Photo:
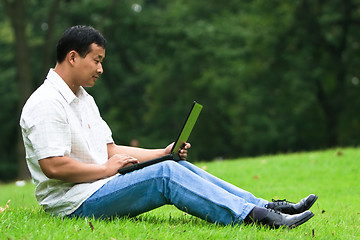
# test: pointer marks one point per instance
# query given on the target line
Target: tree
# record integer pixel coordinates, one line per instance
(273, 76)
(327, 38)
(16, 11)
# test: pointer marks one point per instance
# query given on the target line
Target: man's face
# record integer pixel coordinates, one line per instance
(88, 69)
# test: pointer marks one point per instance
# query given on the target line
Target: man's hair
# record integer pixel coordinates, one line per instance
(78, 38)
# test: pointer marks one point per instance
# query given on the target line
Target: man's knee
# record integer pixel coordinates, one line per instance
(169, 167)
(169, 164)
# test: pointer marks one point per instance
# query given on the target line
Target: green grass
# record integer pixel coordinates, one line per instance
(334, 175)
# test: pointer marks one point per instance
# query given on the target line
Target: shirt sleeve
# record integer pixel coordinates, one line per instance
(46, 131)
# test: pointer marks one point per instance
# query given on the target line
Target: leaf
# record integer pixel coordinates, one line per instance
(91, 226)
(2, 209)
(204, 167)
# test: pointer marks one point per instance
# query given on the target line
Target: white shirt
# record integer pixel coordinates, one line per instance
(56, 122)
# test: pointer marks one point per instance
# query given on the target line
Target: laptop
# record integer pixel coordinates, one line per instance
(180, 141)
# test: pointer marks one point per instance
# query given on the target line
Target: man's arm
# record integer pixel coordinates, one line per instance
(142, 154)
(69, 170)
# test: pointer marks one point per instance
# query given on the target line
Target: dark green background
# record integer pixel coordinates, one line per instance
(273, 76)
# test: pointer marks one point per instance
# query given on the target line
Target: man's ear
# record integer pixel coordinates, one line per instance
(72, 56)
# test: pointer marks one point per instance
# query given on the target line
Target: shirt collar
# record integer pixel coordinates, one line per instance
(56, 81)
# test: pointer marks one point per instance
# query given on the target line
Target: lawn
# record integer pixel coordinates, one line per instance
(333, 175)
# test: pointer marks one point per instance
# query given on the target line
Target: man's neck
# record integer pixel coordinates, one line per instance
(65, 75)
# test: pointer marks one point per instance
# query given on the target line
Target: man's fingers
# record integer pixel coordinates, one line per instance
(124, 159)
(133, 160)
(185, 146)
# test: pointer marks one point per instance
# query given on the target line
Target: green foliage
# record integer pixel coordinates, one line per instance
(8, 104)
(332, 175)
(273, 76)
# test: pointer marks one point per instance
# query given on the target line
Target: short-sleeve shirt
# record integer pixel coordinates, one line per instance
(57, 122)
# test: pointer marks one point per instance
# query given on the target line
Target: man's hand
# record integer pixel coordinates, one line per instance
(119, 161)
(182, 152)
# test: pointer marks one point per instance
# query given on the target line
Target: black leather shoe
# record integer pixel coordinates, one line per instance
(286, 207)
(275, 219)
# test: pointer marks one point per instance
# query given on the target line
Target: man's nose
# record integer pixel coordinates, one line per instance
(100, 69)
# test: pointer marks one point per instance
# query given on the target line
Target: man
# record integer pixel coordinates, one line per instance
(74, 160)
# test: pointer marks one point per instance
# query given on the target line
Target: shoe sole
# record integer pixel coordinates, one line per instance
(305, 219)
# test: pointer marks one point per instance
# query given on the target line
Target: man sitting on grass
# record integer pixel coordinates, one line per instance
(73, 159)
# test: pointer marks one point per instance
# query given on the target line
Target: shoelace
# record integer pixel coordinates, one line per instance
(274, 211)
(282, 202)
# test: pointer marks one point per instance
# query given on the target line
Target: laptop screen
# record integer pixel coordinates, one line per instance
(187, 127)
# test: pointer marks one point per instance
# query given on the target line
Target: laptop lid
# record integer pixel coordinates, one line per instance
(187, 127)
(181, 139)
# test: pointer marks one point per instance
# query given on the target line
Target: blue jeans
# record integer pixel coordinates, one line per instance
(181, 184)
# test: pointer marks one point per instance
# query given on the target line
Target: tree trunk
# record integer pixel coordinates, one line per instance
(16, 12)
(48, 43)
